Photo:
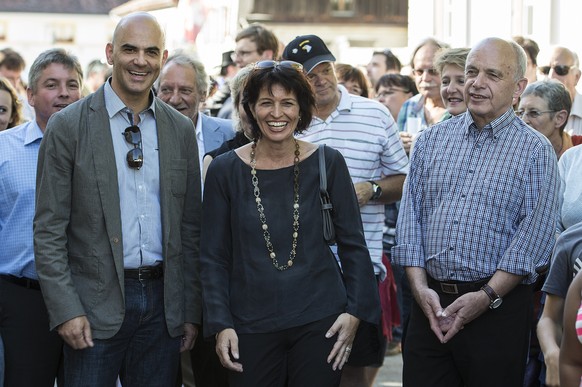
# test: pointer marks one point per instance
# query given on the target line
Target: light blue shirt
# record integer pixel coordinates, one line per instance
(18, 157)
(139, 190)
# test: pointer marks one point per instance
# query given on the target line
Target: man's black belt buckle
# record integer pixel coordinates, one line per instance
(145, 273)
(449, 288)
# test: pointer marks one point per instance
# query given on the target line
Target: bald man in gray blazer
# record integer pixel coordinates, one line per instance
(117, 222)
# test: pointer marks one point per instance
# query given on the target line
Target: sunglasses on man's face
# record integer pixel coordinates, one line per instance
(134, 156)
(273, 64)
(561, 70)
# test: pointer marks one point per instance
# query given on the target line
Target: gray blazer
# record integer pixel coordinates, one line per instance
(77, 226)
(215, 131)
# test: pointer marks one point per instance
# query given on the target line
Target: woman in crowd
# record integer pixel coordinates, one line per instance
(353, 79)
(571, 348)
(392, 90)
(239, 120)
(10, 107)
(282, 311)
(545, 106)
(450, 63)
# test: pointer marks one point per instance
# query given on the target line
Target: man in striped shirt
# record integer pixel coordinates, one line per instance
(477, 218)
(367, 136)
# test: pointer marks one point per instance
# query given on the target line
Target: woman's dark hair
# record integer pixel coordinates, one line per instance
(292, 80)
(397, 80)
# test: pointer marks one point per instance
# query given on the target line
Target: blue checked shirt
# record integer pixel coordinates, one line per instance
(18, 156)
(477, 201)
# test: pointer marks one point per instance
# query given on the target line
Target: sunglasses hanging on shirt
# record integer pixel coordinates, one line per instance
(132, 135)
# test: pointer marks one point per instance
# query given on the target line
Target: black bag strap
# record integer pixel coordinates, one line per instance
(326, 206)
(322, 170)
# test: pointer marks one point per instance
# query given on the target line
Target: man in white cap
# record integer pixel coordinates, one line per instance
(365, 133)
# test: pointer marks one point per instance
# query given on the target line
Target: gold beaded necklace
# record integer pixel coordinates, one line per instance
(261, 209)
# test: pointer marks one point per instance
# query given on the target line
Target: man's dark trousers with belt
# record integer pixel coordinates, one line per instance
(506, 324)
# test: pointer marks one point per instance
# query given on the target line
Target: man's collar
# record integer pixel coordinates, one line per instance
(114, 104)
(345, 102)
(33, 133)
(494, 126)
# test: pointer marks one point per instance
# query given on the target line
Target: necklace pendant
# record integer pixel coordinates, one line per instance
(289, 263)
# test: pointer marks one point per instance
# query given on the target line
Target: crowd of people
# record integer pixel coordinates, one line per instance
(162, 229)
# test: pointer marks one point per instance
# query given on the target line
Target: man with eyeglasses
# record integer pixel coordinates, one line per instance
(564, 67)
(427, 107)
(477, 222)
(365, 133)
(117, 223)
(33, 353)
(381, 63)
(253, 44)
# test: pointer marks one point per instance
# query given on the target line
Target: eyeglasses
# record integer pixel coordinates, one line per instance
(431, 71)
(533, 114)
(389, 92)
(240, 53)
(561, 70)
(134, 156)
(273, 64)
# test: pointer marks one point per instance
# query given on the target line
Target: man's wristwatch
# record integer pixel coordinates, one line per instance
(376, 190)
(496, 300)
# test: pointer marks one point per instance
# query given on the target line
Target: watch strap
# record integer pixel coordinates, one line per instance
(492, 294)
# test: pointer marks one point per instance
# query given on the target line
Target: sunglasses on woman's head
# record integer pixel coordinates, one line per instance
(273, 64)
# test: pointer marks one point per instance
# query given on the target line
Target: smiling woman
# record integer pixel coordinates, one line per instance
(10, 106)
(260, 215)
(450, 63)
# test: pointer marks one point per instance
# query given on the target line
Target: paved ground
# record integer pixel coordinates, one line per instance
(391, 372)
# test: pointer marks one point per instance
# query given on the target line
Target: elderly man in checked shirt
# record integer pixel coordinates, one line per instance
(477, 219)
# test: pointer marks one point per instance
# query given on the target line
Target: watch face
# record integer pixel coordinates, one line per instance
(377, 191)
(496, 303)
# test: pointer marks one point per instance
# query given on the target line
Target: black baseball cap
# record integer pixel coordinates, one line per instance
(309, 50)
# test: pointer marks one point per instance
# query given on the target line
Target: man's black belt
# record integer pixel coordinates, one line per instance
(21, 281)
(145, 273)
(455, 287)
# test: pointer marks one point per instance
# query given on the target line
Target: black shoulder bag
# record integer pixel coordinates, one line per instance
(326, 206)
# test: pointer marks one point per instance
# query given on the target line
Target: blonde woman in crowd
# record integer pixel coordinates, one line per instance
(10, 106)
(450, 63)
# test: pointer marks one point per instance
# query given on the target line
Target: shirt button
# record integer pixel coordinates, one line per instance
(463, 195)
(455, 222)
(451, 248)
(115, 240)
(470, 171)
(478, 146)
